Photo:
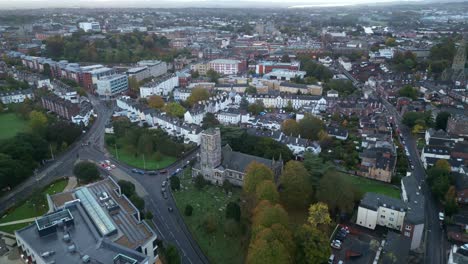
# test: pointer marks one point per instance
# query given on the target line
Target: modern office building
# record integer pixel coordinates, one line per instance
(156, 67)
(112, 85)
(92, 224)
(90, 26)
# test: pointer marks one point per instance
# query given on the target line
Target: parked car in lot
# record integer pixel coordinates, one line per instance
(336, 244)
(163, 189)
(138, 171)
(441, 216)
(152, 173)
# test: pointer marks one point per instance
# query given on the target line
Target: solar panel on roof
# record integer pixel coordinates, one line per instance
(100, 219)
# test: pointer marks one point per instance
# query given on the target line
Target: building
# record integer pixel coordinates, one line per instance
(17, 96)
(225, 66)
(337, 132)
(90, 26)
(284, 75)
(91, 74)
(139, 73)
(78, 113)
(268, 66)
(217, 164)
(156, 67)
(162, 87)
(111, 85)
(92, 224)
(378, 164)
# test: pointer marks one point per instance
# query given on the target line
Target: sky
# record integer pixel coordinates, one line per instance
(25, 4)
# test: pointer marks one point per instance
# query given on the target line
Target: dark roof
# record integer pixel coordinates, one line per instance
(396, 249)
(374, 200)
(337, 131)
(415, 203)
(461, 181)
(238, 161)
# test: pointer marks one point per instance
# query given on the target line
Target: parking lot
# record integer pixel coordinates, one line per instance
(358, 246)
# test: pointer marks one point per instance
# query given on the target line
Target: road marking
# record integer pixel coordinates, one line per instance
(172, 234)
(177, 242)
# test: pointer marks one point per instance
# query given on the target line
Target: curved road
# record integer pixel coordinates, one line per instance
(169, 225)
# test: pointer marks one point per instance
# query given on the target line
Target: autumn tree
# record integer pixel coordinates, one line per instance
(312, 245)
(266, 190)
(133, 84)
(37, 122)
(266, 214)
(156, 102)
(290, 127)
(254, 174)
(318, 215)
(297, 188)
(338, 195)
(443, 164)
(262, 251)
(450, 199)
(197, 95)
(257, 107)
(174, 109)
(310, 126)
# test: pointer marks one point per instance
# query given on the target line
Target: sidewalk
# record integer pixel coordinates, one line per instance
(71, 184)
(19, 221)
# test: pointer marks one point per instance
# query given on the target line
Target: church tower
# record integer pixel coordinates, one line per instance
(210, 151)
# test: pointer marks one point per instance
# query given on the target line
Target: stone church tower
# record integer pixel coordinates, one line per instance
(210, 151)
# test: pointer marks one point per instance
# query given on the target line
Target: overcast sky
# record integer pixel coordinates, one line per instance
(8, 4)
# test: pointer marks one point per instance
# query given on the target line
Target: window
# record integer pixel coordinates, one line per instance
(382, 216)
(391, 219)
(408, 234)
(408, 227)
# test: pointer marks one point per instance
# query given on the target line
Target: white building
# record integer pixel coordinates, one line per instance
(181, 94)
(112, 85)
(232, 117)
(17, 96)
(139, 73)
(90, 26)
(161, 87)
(431, 154)
(284, 75)
(345, 63)
(281, 101)
(225, 66)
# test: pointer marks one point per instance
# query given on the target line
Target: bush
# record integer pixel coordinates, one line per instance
(138, 202)
(175, 183)
(233, 211)
(86, 171)
(188, 210)
(232, 228)
(210, 224)
(200, 182)
(126, 187)
(149, 215)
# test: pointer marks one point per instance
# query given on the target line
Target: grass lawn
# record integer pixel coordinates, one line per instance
(137, 162)
(218, 247)
(11, 228)
(10, 125)
(31, 208)
(367, 185)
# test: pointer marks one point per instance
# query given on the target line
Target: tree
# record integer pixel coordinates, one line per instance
(254, 174)
(200, 182)
(149, 215)
(209, 120)
(209, 223)
(315, 166)
(441, 120)
(267, 214)
(336, 193)
(312, 245)
(451, 205)
(137, 201)
(231, 228)
(408, 91)
(145, 144)
(171, 255)
(195, 75)
(175, 183)
(297, 188)
(126, 187)
(233, 211)
(174, 109)
(266, 190)
(227, 186)
(37, 122)
(262, 251)
(156, 102)
(133, 84)
(290, 127)
(188, 210)
(318, 215)
(244, 104)
(213, 75)
(444, 165)
(438, 179)
(257, 107)
(285, 58)
(343, 87)
(197, 95)
(86, 171)
(251, 90)
(390, 42)
(310, 126)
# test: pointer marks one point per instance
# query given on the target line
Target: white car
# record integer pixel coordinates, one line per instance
(464, 247)
(441, 216)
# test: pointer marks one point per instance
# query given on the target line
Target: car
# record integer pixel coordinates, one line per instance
(340, 236)
(164, 184)
(331, 259)
(152, 173)
(163, 171)
(163, 189)
(170, 209)
(441, 216)
(335, 245)
(164, 195)
(134, 170)
(178, 170)
(112, 166)
(108, 168)
(345, 229)
(464, 246)
(340, 262)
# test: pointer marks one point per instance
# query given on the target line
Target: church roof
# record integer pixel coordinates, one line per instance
(238, 161)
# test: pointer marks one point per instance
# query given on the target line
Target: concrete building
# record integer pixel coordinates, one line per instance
(156, 67)
(217, 164)
(139, 73)
(284, 75)
(90, 26)
(225, 66)
(111, 85)
(162, 87)
(92, 224)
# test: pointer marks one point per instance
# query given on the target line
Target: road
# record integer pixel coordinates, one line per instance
(436, 247)
(169, 225)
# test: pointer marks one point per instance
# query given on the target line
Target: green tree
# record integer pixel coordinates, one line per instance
(172, 255)
(156, 102)
(126, 187)
(262, 251)
(188, 210)
(310, 126)
(197, 95)
(233, 211)
(438, 179)
(137, 201)
(251, 90)
(441, 120)
(86, 171)
(285, 58)
(257, 107)
(175, 183)
(408, 91)
(232, 228)
(316, 167)
(145, 144)
(255, 173)
(266, 190)
(227, 186)
(390, 42)
(200, 182)
(444, 165)
(297, 188)
(37, 122)
(244, 104)
(312, 245)
(318, 215)
(149, 215)
(209, 120)
(213, 75)
(336, 193)
(174, 109)
(195, 75)
(451, 205)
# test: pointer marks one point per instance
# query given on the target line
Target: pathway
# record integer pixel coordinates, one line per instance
(27, 220)
(71, 184)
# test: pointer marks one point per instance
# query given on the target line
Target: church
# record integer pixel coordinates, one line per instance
(217, 164)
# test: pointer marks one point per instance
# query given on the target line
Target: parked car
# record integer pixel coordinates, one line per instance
(331, 259)
(170, 209)
(164, 195)
(163, 189)
(441, 216)
(152, 173)
(164, 184)
(163, 171)
(335, 245)
(464, 247)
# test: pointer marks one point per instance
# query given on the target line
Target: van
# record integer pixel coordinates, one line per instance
(331, 259)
